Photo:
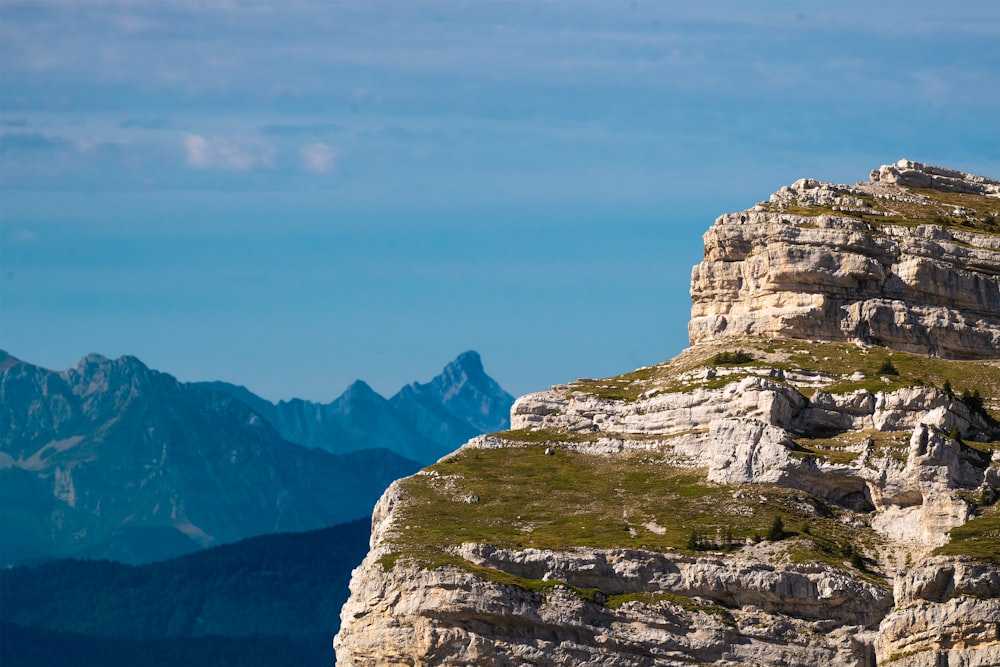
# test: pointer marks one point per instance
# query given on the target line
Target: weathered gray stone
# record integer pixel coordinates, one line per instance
(926, 289)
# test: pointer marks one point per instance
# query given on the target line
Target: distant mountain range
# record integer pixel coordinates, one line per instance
(111, 459)
(422, 422)
(267, 601)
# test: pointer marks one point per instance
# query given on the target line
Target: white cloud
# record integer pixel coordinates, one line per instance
(243, 156)
(318, 157)
(239, 154)
(196, 147)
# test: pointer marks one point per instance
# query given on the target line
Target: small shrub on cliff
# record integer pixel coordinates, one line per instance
(887, 368)
(974, 401)
(694, 542)
(728, 539)
(777, 530)
(730, 358)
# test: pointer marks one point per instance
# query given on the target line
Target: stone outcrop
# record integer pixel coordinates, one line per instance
(944, 608)
(811, 418)
(856, 272)
(450, 617)
(749, 397)
(912, 174)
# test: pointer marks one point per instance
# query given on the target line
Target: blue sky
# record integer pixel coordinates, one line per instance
(292, 195)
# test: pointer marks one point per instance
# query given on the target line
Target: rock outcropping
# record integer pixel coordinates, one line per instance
(812, 482)
(865, 269)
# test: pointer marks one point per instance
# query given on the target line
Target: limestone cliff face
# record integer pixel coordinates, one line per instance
(784, 492)
(864, 270)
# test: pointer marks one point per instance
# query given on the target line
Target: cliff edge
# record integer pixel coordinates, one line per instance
(814, 481)
(900, 261)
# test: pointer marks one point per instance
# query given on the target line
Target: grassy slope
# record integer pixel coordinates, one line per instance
(838, 360)
(956, 210)
(528, 499)
(980, 538)
(570, 499)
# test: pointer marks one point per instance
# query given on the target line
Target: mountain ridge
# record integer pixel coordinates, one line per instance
(112, 459)
(421, 421)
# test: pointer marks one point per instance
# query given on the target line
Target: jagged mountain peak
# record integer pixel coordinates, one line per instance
(93, 358)
(466, 367)
(95, 363)
(104, 384)
(422, 421)
(469, 361)
(359, 389)
(462, 388)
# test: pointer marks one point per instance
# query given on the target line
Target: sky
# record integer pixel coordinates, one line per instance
(293, 195)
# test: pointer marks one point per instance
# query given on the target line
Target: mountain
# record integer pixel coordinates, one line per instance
(358, 419)
(460, 403)
(421, 422)
(269, 600)
(111, 459)
(815, 481)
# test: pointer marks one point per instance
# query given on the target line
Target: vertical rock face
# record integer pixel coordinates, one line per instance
(859, 265)
(813, 482)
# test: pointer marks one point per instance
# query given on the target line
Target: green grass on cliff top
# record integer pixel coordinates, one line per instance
(981, 214)
(839, 360)
(636, 500)
(570, 499)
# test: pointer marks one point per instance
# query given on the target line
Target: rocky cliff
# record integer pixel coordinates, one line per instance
(813, 482)
(899, 261)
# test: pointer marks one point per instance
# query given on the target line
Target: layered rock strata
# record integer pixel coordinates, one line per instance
(623, 521)
(821, 261)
